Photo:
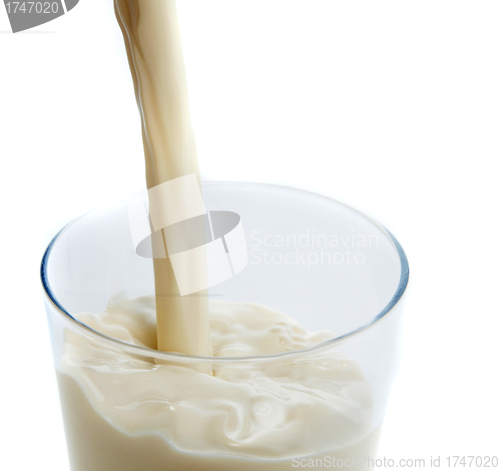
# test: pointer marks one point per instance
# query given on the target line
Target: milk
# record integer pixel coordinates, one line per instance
(124, 412)
(152, 39)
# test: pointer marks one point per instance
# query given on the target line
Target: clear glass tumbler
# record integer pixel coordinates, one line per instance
(131, 407)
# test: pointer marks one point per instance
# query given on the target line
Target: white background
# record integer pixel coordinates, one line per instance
(396, 111)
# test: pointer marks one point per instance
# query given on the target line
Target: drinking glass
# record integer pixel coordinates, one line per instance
(315, 259)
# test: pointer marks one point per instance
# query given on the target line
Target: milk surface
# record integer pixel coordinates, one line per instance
(247, 415)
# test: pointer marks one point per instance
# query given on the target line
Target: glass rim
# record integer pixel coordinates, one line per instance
(183, 358)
